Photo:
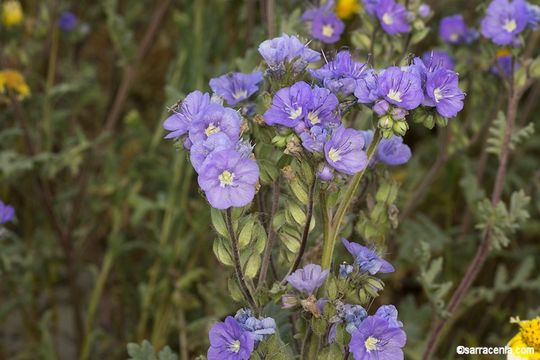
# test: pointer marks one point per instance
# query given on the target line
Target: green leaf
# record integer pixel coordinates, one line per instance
(219, 222)
(167, 354)
(244, 238)
(145, 351)
(334, 351)
(222, 251)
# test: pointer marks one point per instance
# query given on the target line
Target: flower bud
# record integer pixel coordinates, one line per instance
(400, 127)
(386, 122)
(289, 301)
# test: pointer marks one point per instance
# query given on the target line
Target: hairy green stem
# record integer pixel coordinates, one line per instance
(236, 258)
(94, 302)
(330, 241)
(271, 234)
(305, 233)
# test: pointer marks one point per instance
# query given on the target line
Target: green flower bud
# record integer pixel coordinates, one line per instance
(400, 127)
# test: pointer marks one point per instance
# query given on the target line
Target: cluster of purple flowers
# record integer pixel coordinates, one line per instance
(7, 213)
(227, 172)
(393, 17)
(428, 81)
(311, 112)
(235, 338)
(323, 23)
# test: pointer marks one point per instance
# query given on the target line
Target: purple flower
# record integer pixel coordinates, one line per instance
(393, 151)
(533, 15)
(313, 139)
(344, 151)
(366, 259)
(215, 119)
(503, 67)
(381, 107)
(401, 88)
(504, 20)
(68, 21)
(443, 92)
(327, 28)
(437, 59)
(324, 24)
(353, 316)
(308, 279)
(371, 6)
(229, 341)
(235, 87)
(375, 339)
(393, 17)
(325, 173)
(340, 74)
(366, 88)
(276, 52)
(424, 10)
(345, 270)
(228, 179)
(178, 123)
(7, 213)
(390, 314)
(259, 328)
(200, 151)
(321, 109)
(453, 29)
(289, 105)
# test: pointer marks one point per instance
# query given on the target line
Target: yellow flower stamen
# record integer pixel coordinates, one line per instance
(226, 178)
(371, 343)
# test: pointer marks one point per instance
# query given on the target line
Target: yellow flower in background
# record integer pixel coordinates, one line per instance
(12, 13)
(14, 81)
(503, 52)
(347, 8)
(528, 338)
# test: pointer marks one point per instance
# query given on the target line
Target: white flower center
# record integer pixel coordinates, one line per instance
(437, 94)
(226, 178)
(510, 25)
(371, 343)
(327, 30)
(212, 129)
(234, 346)
(313, 118)
(295, 113)
(387, 19)
(454, 37)
(394, 95)
(334, 155)
(240, 94)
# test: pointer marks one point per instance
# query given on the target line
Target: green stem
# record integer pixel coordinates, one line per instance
(94, 302)
(330, 241)
(237, 264)
(166, 228)
(305, 233)
(51, 71)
